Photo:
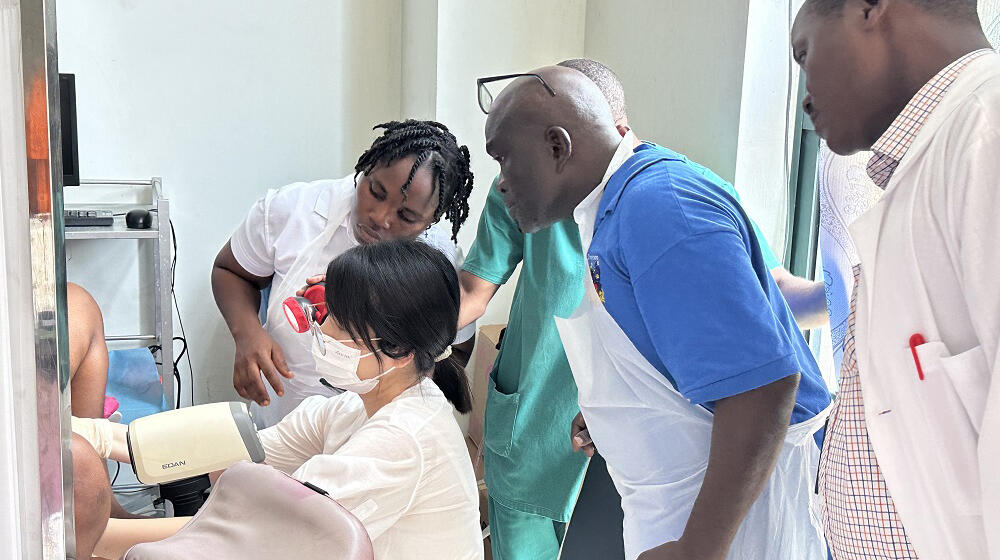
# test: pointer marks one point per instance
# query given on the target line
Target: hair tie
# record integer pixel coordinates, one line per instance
(444, 355)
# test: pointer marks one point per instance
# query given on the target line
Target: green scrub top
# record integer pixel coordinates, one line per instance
(530, 464)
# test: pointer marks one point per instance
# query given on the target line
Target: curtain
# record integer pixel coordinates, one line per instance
(845, 192)
(989, 13)
(767, 117)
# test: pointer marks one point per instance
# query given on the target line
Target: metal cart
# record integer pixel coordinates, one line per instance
(160, 241)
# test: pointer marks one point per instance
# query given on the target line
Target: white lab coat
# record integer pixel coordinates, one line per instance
(404, 472)
(291, 234)
(930, 263)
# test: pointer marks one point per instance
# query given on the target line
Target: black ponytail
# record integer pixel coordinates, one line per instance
(407, 293)
(450, 377)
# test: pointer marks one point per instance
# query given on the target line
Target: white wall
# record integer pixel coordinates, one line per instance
(419, 59)
(681, 63)
(224, 99)
(477, 39)
(227, 99)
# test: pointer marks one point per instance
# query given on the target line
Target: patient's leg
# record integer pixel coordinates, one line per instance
(118, 512)
(91, 496)
(88, 353)
(123, 534)
(88, 362)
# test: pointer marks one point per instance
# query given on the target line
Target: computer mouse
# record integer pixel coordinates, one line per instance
(138, 219)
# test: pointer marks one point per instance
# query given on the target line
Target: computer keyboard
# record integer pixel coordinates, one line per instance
(87, 218)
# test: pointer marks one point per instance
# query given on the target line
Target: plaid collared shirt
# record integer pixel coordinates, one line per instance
(859, 516)
(897, 139)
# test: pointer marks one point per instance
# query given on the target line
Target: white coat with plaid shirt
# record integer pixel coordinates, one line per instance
(930, 261)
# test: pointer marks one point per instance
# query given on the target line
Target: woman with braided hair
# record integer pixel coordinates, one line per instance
(413, 175)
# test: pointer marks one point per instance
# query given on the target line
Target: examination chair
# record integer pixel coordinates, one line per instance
(256, 512)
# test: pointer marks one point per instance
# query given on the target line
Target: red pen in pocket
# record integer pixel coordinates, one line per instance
(916, 340)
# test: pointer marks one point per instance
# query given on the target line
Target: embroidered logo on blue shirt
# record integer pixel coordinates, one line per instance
(595, 274)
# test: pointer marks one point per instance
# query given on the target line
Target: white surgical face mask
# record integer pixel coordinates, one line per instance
(339, 364)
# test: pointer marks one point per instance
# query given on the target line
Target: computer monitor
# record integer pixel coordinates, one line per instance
(67, 115)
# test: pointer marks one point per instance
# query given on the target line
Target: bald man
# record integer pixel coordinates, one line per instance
(688, 362)
(534, 481)
(532, 473)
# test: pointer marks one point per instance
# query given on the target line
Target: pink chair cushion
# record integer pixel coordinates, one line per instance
(256, 512)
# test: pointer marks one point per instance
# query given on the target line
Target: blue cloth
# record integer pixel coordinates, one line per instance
(134, 381)
(682, 273)
(265, 297)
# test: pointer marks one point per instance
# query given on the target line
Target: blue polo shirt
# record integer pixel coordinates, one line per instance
(683, 274)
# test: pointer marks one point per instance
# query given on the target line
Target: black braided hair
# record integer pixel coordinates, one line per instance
(434, 145)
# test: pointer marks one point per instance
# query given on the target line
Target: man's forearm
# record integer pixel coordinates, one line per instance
(747, 436)
(806, 299)
(469, 312)
(476, 295)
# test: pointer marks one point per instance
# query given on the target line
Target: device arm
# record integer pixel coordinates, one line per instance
(192, 441)
(177, 444)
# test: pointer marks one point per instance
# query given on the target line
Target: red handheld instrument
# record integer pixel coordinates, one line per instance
(310, 307)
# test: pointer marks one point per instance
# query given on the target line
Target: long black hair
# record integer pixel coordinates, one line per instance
(407, 293)
(431, 143)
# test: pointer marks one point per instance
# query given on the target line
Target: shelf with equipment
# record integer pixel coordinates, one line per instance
(157, 239)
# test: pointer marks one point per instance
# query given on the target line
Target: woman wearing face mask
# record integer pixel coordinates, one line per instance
(413, 175)
(389, 448)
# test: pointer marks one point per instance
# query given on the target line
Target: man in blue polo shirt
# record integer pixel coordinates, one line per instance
(532, 473)
(688, 362)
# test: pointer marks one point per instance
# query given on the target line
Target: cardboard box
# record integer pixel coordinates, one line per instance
(482, 363)
(484, 519)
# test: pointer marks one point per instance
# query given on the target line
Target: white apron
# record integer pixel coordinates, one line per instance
(657, 444)
(312, 260)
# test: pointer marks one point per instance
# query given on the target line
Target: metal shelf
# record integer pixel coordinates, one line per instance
(159, 241)
(117, 230)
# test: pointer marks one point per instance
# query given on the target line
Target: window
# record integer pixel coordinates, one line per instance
(802, 244)
(802, 255)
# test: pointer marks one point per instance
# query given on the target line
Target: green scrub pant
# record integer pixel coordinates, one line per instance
(516, 535)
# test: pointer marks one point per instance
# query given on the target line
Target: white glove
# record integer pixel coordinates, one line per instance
(98, 432)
